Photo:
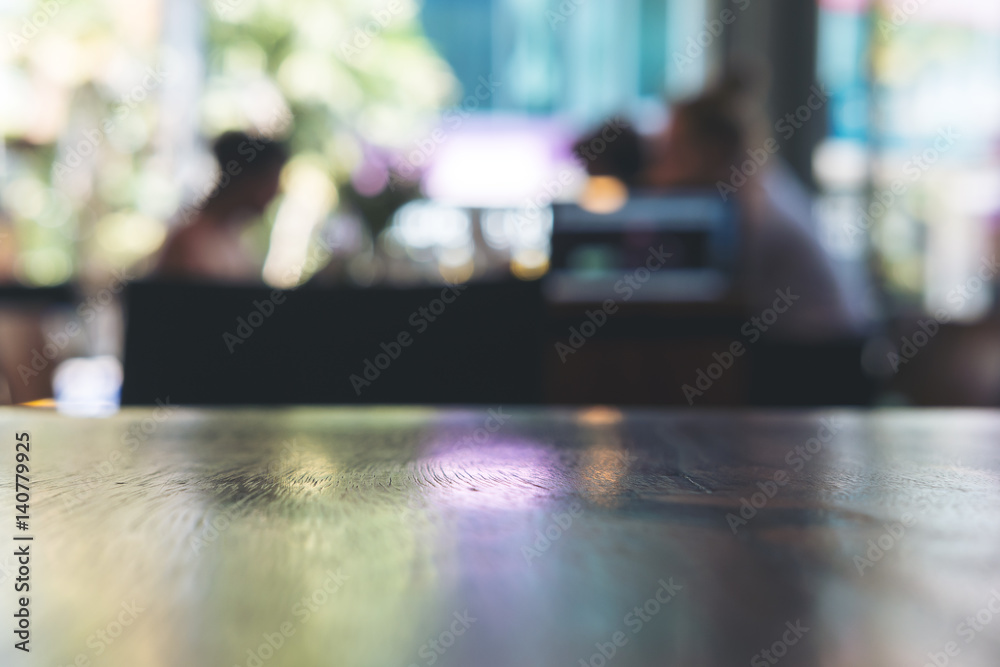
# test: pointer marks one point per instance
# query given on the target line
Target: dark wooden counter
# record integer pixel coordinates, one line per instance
(375, 537)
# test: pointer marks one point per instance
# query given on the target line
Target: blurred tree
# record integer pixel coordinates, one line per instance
(100, 98)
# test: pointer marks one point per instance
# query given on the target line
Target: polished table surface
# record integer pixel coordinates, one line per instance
(475, 537)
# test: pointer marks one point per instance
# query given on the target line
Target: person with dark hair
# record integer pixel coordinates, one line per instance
(708, 140)
(207, 244)
(709, 134)
(612, 150)
(613, 156)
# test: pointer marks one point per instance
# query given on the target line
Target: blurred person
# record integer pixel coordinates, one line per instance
(707, 138)
(25, 375)
(613, 150)
(613, 156)
(208, 245)
(8, 251)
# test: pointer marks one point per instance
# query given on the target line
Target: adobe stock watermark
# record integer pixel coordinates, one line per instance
(495, 419)
(32, 25)
(562, 13)
(248, 151)
(225, 7)
(318, 253)
(364, 35)
(902, 12)
(263, 310)
(968, 630)
(136, 434)
(561, 522)
(553, 189)
(310, 604)
(302, 610)
(288, 455)
(787, 127)
(594, 148)
(434, 648)
(94, 137)
(796, 460)
(60, 340)
(779, 649)
(627, 287)
(913, 170)
(884, 543)
(910, 346)
(139, 432)
(635, 620)
(405, 169)
(420, 320)
(247, 326)
(212, 530)
(963, 293)
(712, 30)
(753, 329)
(102, 639)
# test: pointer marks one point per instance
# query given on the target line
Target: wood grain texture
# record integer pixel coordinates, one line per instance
(369, 533)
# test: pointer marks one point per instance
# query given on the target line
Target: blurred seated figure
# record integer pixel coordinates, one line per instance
(708, 140)
(613, 150)
(613, 155)
(207, 244)
(8, 250)
(22, 377)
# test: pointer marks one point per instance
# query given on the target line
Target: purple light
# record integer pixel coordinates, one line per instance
(498, 162)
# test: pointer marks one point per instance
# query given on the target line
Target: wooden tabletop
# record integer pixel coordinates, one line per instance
(474, 537)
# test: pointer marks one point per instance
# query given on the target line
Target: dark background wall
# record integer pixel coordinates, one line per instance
(782, 35)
